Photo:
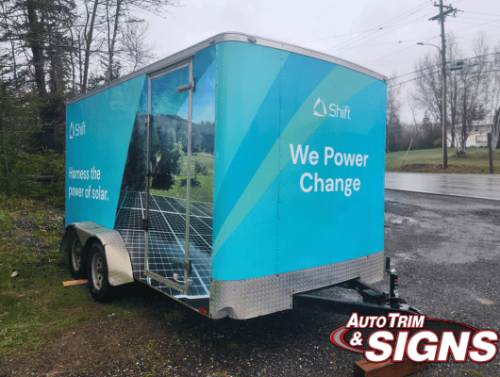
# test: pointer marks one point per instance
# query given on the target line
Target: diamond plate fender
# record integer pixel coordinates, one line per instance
(117, 256)
(244, 299)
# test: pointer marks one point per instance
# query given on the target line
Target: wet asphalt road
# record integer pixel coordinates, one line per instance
(447, 252)
(469, 185)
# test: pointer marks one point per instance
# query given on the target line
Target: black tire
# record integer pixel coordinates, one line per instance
(77, 260)
(97, 272)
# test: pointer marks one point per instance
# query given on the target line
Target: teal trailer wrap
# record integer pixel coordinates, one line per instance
(299, 179)
(98, 130)
(237, 172)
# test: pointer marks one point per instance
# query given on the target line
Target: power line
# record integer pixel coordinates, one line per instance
(485, 64)
(482, 19)
(363, 39)
(486, 14)
(471, 27)
(426, 15)
(427, 40)
(433, 72)
(336, 36)
(416, 78)
(394, 53)
(450, 62)
(381, 26)
(381, 44)
(454, 22)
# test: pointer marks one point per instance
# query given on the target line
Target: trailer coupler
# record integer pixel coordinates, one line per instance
(375, 301)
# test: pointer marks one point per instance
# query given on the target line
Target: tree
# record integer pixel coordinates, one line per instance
(429, 134)
(453, 53)
(34, 31)
(495, 130)
(416, 133)
(135, 48)
(50, 51)
(112, 36)
(88, 40)
(37, 32)
(474, 78)
(393, 123)
(18, 121)
(428, 86)
(491, 89)
(123, 12)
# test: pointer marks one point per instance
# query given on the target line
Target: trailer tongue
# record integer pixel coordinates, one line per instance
(375, 302)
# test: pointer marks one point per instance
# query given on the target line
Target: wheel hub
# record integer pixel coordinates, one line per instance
(97, 271)
(76, 254)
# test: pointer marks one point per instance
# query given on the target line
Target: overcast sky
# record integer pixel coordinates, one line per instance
(380, 35)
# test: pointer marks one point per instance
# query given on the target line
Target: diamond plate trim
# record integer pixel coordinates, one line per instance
(117, 257)
(244, 299)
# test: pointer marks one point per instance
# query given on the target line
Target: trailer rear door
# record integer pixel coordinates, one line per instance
(168, 176)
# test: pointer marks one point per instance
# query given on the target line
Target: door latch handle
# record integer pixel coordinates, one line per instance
(189, 86)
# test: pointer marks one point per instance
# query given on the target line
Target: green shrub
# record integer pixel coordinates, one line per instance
(200, 168)
(39, 176)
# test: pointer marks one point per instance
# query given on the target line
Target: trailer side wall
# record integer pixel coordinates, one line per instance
(98, 130)
(288, 126)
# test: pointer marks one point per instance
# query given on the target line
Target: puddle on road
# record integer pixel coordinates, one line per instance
(391, 219)
(395, 221)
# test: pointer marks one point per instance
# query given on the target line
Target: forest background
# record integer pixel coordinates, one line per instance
(54, 50)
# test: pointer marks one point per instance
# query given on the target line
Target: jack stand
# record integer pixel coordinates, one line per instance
(394, 291)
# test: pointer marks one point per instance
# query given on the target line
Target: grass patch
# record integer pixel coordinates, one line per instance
(233, 346)
(34, 306)
(151, 373)
(175, 342)
(175, 316)
(149, 347)
(472, 372)
(475, 161)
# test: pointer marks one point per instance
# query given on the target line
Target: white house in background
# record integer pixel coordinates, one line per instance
(478, 136)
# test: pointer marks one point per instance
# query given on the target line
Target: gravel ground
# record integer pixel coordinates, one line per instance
(446, 251)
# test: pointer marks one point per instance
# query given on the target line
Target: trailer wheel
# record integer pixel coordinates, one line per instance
(76, 256)
(97, 272)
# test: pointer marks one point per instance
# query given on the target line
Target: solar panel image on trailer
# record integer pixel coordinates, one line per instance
(167, 237)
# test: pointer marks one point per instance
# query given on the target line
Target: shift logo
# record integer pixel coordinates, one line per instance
(319, 102)
(77, 130)
(319, 110)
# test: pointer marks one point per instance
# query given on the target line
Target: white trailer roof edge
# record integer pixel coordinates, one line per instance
(229, 37)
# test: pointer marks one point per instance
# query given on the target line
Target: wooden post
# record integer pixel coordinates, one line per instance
(363, 368)
(490, 152)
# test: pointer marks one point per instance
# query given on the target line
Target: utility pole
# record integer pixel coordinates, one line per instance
(441, 16)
